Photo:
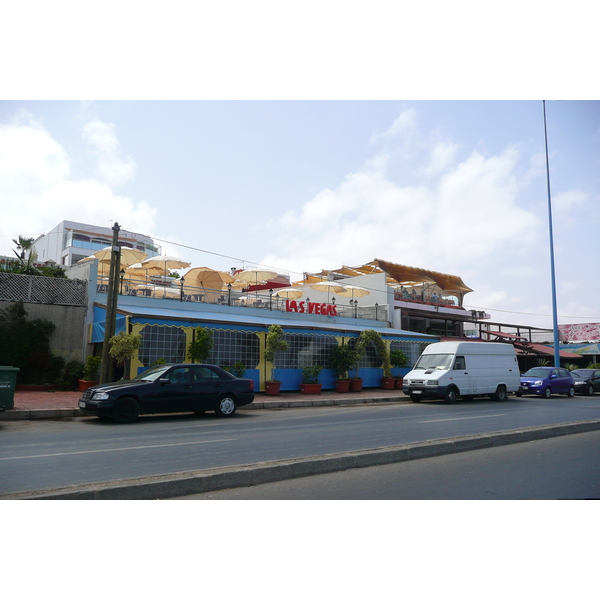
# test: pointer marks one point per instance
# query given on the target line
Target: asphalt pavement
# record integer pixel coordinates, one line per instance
(56, 405)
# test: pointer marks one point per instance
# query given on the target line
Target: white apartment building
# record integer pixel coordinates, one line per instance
(70, 241)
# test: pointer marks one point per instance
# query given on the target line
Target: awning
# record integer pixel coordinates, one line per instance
(397, 275)
(167, 316)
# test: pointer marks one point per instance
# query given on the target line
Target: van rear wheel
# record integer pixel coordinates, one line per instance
(500, 394)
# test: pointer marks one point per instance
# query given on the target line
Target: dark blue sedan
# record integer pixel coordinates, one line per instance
(169, 389)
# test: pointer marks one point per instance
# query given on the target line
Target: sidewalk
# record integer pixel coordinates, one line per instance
(59, 404)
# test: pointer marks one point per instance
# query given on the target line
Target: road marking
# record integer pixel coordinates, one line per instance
(117, 449)
(462, 418)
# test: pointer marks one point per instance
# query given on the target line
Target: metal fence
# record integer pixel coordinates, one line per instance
(43, 290)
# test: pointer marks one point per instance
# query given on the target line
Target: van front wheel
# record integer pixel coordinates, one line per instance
(500, 394)
(450, 397)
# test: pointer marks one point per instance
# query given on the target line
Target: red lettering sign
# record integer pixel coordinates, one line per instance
(312, 308)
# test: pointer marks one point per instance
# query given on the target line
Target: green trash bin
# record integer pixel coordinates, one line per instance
(8, 382)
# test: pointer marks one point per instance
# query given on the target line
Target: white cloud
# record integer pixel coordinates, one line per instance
(405, 125)
(473, 213)
(111, 168)
(37, 191)
(565, 201)
(442, 156)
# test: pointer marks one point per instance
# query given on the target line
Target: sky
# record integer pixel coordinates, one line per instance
(458, 187)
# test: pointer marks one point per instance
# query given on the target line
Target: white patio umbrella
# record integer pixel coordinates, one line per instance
(168, 263)
(353, 291)
(328, 286)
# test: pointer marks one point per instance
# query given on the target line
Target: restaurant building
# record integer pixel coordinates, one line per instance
(409, 307)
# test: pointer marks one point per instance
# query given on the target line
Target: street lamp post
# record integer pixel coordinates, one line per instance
(181, 282)
(552, 272)
(228, 294)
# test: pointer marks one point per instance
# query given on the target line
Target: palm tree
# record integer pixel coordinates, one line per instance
(27, 254)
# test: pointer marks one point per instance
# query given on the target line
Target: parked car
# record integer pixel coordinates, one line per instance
(545, 381)
(169, 389)
(587, 381)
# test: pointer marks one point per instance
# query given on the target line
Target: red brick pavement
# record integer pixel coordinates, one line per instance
(60, 399)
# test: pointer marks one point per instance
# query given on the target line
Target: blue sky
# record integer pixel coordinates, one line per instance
(453, 186)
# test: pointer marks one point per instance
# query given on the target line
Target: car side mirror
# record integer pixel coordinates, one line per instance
(553, 376)
(164, 381)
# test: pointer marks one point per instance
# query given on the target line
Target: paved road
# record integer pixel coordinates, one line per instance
(558, 468)
(37, 455)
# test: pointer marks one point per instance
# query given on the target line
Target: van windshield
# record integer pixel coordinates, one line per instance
(434, 361)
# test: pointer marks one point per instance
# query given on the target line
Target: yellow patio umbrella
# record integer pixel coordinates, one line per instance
(209, 281)
(291, 293)
(138, 272)
(129, 256)
(166, 292)
(255, 276)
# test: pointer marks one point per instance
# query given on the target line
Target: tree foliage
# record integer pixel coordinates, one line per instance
(200, 348)
(26, 345)
(123, 346)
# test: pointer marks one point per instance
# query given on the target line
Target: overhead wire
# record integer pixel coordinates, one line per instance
(291, 271)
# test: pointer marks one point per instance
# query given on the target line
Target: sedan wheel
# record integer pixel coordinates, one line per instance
(590, 390)
(127, 410)
(571, 392)
(226, 407)
(547, 393)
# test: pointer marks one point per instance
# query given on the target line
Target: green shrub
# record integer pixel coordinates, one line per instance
(311, 374)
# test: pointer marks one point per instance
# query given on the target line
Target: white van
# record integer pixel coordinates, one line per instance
(451, 369)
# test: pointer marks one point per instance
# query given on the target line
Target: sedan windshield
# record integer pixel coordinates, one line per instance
(152, 374)
(537, 372)
(434, 361)
(581, 374)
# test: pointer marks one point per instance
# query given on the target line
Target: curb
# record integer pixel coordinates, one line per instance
(59, 413)
(210, 480)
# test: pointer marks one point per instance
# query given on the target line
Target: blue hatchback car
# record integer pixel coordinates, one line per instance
(545, 381)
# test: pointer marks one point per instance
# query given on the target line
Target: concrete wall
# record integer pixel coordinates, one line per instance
(68, 337)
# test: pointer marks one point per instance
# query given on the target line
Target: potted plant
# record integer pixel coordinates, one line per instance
(275, 343)
(237, 370)
(365, 337)
(341, 360)
(310, 380)
(201, 345)
(398, 360)
(90, 371)
(123, 346)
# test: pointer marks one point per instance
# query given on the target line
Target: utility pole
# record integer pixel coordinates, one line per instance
(112, 296)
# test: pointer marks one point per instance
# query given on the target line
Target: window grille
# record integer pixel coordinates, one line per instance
(305, 351)
(412, 349)
(231, 347)
(161, 341)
